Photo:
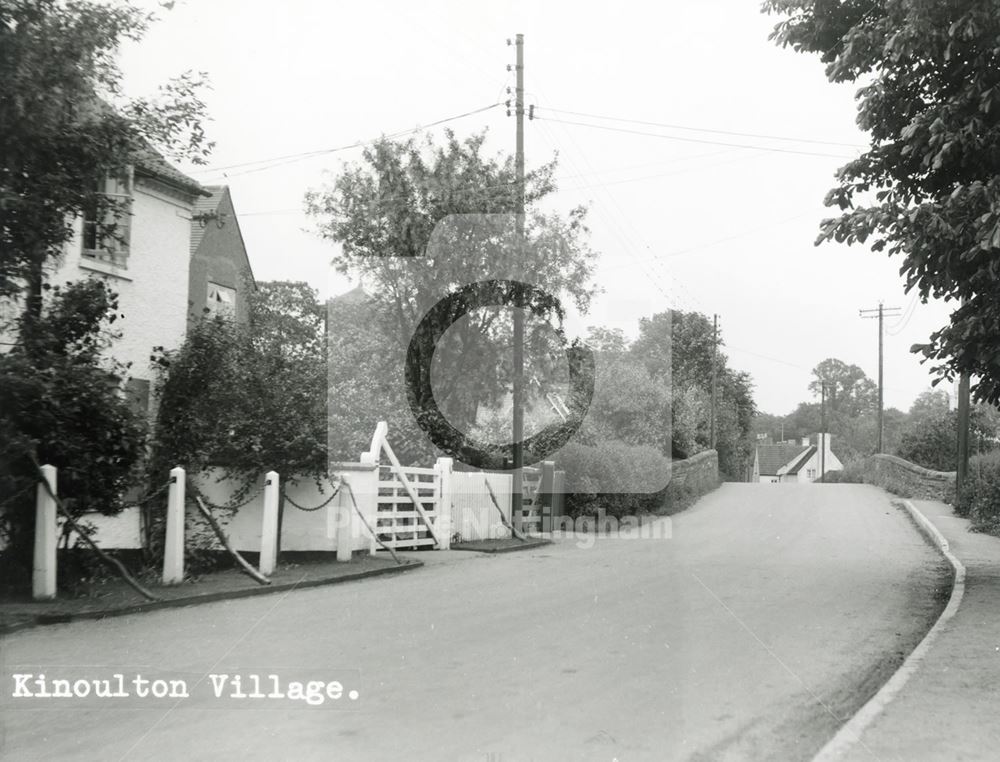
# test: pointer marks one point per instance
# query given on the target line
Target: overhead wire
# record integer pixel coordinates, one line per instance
(771, 149)
(715, 131)
(277, 161)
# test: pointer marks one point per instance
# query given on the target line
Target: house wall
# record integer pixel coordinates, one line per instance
(152, 288)
(832, 462)
(220, 258)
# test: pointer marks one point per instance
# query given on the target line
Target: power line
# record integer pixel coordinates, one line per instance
(478, 188)
(660, 135)
(702, 129)
(276, 161)
(897, 328)
(718, 241)
(615, 227)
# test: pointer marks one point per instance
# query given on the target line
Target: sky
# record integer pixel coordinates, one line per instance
(703, 151)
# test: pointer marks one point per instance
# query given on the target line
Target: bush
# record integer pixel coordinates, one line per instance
(930, 441)
(980, 498)
(852, 473)
(64, 404)
(610, 475)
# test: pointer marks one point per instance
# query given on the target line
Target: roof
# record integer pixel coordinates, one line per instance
(149, 161)
(204, 205)
(772, 457)
(797, 464)
(356, 295)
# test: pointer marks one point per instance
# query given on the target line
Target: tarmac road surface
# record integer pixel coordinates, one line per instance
(769, 615)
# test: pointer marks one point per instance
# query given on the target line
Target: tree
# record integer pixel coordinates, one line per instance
(365, 385)
(928, 403)
(64, 404)
(383, 212)
(610, 342)
(65, 124)
(681, 344)
(930, 433)
(849, 391)
(928, 187)
(248, 398)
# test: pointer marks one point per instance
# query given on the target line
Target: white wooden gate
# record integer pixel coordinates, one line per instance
(531, 508)
(409, 503)
(397, 521)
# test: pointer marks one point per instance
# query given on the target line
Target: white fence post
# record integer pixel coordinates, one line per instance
(43, 578)
(173, 546)
(269, 529)
(444, 467)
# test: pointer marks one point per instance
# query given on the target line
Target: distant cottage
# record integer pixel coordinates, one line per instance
(789, 462)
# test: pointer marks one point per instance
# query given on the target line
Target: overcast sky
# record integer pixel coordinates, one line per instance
(700, 220)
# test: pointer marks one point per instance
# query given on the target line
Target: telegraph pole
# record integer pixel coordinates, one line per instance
(715, 369)
(518, 381)
(962, 470)
(880, 313)
(822, 433)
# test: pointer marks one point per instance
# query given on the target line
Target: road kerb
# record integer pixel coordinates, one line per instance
(850, 733)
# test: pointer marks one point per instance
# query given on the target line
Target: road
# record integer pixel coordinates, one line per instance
(772, 611)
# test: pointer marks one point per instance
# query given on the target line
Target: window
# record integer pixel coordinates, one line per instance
(107, 219)
(221, 301)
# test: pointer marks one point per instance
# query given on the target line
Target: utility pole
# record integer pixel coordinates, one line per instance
(715, 368)
(822, 433)
(962, 467)
(962, 470)
(518, 381)
(880, 313)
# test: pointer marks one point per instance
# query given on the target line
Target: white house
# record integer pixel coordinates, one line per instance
(146, 263)
(788, 462)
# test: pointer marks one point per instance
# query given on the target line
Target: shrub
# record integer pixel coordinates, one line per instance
(930, 441)
(64, 403)
(851, 473)
(611, 475)
(980, 498)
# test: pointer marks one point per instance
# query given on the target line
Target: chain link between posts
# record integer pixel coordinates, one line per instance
(324, 504)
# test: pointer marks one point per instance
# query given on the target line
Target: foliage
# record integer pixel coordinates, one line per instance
(384, 212)
(849, 391)
(931, 434)
(365, 386)
(980, 498)
(851, 473)
(851, 414)
(928, 188)
(64, 124)
(606, 474)
(65, 404)
(676, 348)
(251, 397)
(931, 442)
(629, 405)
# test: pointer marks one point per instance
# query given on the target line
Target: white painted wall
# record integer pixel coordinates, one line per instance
(152, 289)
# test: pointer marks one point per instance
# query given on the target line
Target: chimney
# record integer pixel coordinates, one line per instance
(805, 441)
